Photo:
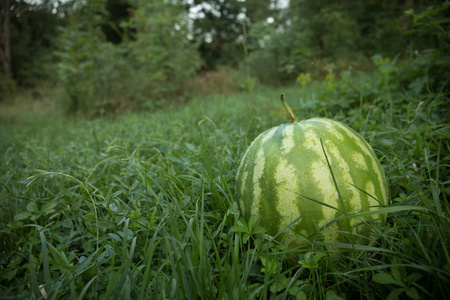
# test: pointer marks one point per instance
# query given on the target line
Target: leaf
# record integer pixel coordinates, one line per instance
(48, 207)
(395, 294)
(301, 296)
(252, 222)
(246, 237)
(259, 230)
(280, 284)
(384, 278)
(128, 234)
(191, 148)
(412, 293)
(331, 295)
(414, 277)
(23, 215)
(311, 260)
(271, 266)
(113, 207)
(387, 142)
(115, 237)
(10, 273)
(241, 226)
(33, 207)
(396, 273)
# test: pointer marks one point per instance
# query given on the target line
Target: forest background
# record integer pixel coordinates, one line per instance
(109, 56)
(123, 124)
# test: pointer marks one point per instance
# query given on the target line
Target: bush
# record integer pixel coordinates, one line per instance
(149, 66)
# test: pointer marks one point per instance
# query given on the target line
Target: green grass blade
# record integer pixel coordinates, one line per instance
(45, 260)
(390, 210)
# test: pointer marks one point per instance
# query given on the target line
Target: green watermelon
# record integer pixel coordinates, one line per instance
(319, 172)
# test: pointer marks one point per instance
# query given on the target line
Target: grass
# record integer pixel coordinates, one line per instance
(141, 205)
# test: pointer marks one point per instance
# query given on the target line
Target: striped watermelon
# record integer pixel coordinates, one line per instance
(287, 173)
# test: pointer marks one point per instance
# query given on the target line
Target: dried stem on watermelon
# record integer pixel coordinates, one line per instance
(288, 109)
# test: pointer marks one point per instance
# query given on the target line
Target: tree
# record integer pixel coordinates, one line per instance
(216, 27)
(27, 32)
(5, 54)
(219, 26)
(159, 48)
(118, 11)
(318, 35)
(150, 63)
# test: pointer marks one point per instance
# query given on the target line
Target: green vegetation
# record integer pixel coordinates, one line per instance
(142, 205)
(114, 186)
(116, 55)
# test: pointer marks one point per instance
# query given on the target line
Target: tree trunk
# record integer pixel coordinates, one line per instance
(408, 4)
(5, 54)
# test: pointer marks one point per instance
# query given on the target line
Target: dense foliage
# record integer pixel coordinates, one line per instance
(117, 54)
(319, 37)
(143, 205)
(152, 62)
(26, 35)
(138, 206)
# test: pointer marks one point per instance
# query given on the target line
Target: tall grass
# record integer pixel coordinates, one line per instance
(141, 206)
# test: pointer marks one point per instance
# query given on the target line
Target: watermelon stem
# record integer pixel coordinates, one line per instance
(288, 109)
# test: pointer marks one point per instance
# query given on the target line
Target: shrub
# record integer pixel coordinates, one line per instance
(149, 66)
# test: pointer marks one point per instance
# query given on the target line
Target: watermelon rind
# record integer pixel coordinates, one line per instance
(309, 179)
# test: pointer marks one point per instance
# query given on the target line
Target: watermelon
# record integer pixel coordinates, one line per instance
(307, 180)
